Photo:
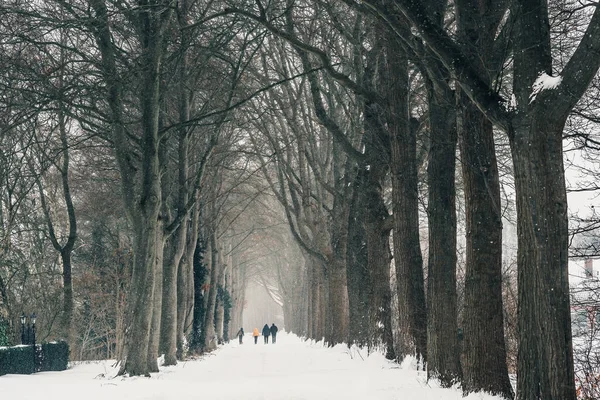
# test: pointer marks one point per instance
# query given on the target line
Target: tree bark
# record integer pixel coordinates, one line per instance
(545, 355)
(186, 292)
(443, 360)
(378, 261)
(211, 296)
(199, 270)
(140, 307)
(484, 350)
(155, 330)
(545, 342)
(150, 203)
(317, 310)
(484, 366)
(407, 249)
(168, 327)
(533, 229)
(65, 250)
(219, 320)
(338, 276)
(338, 303)
(220, 307)
(357, 273)
(237, 297)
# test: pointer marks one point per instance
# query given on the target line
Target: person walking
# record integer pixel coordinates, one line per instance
(273, 330)
(255, 334)
(266, 332)
(240, 335)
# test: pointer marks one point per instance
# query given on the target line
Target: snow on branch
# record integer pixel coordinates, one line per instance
(544, 82)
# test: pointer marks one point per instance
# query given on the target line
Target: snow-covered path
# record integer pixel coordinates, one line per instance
(289, 370)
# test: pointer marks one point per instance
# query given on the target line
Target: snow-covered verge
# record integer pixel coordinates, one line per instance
(292, 369)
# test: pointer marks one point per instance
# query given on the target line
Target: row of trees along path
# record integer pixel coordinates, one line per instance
(340, 120)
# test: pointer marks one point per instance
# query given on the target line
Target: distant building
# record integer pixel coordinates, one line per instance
(585, 295)
(588, 268)
(583, 268)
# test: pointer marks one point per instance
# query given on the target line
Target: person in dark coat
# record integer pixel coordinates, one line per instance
(266, 332)
(273, 330)
(240, 334)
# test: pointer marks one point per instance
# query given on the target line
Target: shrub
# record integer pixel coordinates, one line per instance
(17, 360)
(21, 359)
(53, 356)
(4, 333)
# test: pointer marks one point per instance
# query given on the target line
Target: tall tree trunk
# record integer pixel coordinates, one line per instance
(484, 351)
(338, 302)
(67, 312)
(484, 354)
(143, 279)
(237, 302)
(211, 301)
(379, 257)
(242, 295)
(338, 277)
(199, 271)
(378, 261)
(310, 294)
(377, 226)
(357, 273)
(321, 300)
(545, 356)
(219, 320)
(186, 292)
(220, 307)
(141, 303)
(67, 250)
(155, 331)
(443, 360)
(407, 249)
(237, 296)
(316, 301)
(183, 291)
(304, 307)
(168, 327)
(228, 286)
(545, 343)
(183, 278)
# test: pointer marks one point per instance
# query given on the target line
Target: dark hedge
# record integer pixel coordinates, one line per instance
(4, 333)
(17, 360)
(54, 356)
(21, 360)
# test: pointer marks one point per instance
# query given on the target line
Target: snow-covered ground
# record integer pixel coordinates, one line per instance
(289, 370)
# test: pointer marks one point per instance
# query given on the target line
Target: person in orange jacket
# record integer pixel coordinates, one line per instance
(255, 334)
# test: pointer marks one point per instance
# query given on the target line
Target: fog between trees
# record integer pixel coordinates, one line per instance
(390, 173)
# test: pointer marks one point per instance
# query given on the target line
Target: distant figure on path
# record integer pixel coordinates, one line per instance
(266, 332)
(240, 334)
(255, 334)
(273, 330)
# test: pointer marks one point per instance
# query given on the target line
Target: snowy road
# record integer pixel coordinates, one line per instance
(288, 370)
